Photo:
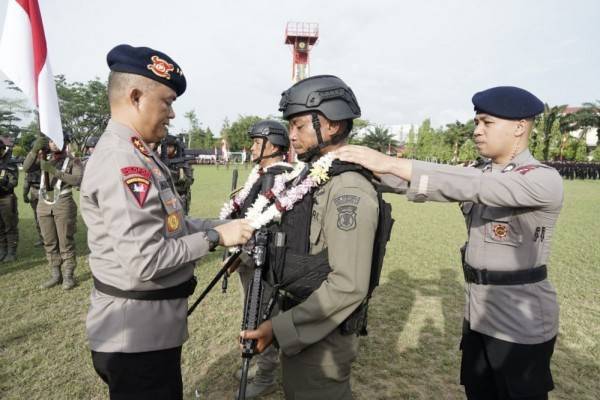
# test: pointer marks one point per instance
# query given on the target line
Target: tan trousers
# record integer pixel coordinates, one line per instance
(58, 224)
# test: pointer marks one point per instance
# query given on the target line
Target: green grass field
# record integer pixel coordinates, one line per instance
(415, 319)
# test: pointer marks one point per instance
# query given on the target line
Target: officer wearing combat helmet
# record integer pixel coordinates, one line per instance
(172, 155)
(511, 204)
(90, 144)
(9, 215)
(56, 209)
(142, 248)
(270, 142)
(322, 256)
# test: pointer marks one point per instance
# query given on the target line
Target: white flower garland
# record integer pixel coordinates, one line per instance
(237, 201)
(284, 200)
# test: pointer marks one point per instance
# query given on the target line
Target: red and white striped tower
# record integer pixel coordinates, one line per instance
(301, 36)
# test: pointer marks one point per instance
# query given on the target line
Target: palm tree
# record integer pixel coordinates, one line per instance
(380, 139)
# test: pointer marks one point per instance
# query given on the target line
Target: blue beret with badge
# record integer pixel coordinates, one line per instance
(147, 62)
(508, 102)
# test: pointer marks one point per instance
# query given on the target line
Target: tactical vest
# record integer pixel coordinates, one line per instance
(295, 273)
(256, 189)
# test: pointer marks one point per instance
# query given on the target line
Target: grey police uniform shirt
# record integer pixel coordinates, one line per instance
(139, 240)
(504, 206)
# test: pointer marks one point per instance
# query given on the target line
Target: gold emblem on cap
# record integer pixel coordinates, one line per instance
(160, 67)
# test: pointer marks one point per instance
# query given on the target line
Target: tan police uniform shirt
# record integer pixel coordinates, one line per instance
(344, 220)
(504, 205)
(138, 240)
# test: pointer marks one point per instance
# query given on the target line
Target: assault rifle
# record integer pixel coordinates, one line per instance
(178, 162)
(253, 306)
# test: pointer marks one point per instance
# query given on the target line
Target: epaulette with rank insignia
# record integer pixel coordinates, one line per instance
(523, 169)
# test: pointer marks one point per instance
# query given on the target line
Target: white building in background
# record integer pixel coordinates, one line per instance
(400, 131)
(591, 136)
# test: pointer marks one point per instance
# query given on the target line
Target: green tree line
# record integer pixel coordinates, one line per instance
(85, 112)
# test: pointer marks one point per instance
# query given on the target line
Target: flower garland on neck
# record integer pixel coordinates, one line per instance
(238, 200)
(283, 199)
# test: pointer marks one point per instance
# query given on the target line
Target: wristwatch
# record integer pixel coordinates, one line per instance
(213, 238)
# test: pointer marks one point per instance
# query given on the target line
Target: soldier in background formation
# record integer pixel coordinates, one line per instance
(31, 192)
(56, 209)
(9, 215)
(90, 145)
(173, 156)
(574, 169)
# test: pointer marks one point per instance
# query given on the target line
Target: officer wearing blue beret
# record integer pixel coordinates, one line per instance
(143, 247)
(511, 204)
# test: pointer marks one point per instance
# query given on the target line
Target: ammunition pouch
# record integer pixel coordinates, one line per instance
(303, 275)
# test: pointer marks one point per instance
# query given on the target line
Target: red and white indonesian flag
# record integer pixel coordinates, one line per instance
(24, 60)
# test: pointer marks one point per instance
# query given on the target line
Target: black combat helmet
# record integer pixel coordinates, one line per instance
(169, 140)
(274, 132)
(325, 94)
(91, 141)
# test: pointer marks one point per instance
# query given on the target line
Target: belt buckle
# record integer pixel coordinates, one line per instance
(482, 276)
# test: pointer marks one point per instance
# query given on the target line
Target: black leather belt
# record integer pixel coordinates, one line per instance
(519, 277)
(181, 291)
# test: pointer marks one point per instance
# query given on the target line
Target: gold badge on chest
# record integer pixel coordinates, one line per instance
(500, 231)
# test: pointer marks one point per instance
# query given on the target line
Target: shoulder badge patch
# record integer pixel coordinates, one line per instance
(137, 180)
(137, 143)
(160, 67)
(526, 168)
(173, 222)
(346, 205)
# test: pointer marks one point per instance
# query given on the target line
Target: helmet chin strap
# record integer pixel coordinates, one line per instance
(262, 150)
(314, 151)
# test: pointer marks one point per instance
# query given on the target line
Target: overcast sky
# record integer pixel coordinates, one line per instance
(405, 60)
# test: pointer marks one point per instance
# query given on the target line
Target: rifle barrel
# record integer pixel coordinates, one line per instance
(214, 281)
